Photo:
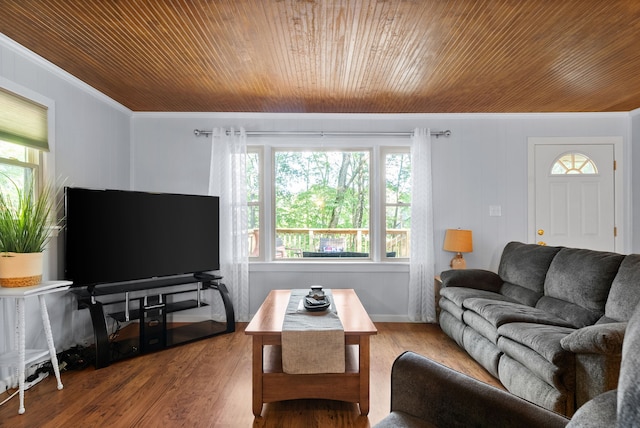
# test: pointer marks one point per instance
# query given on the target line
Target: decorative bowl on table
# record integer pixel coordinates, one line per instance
(316, 300)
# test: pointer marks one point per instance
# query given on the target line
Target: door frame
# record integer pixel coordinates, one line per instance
(618, 180)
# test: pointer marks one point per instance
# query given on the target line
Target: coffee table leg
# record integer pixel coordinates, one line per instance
(364, 374)
(257, 375)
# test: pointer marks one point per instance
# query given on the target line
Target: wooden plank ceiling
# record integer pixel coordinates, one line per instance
(362, 56)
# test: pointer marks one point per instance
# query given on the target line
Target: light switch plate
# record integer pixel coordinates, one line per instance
(495, 210)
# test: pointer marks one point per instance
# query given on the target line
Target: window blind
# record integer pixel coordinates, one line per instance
(23, 121)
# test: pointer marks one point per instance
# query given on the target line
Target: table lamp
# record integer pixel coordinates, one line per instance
(458, 241)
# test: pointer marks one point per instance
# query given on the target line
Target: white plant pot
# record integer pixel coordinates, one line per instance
(20, 269)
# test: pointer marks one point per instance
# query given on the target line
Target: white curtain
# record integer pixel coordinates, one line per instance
(227, 180)
(421, 267)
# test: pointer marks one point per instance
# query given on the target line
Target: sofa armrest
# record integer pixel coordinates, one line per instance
(596, 339)
(479, 279)
(427, 390)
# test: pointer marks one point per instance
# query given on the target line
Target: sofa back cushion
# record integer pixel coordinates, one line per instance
(576, 315)
(629, 381)
(578, 283)
(523, 268)
(624, 295)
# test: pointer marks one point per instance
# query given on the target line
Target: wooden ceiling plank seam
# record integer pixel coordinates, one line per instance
(300, 48)
(451, 40)
(493, 64)
(222, 54)
(66, 21)
(281, 57)
(206, 55)
(278, 58)
(458, 56)
(371, 60)
(264, 54)
(283, 60)
(479, 73)
(416, 52)
(413, 51)
(392, 40)
(145, 17)
(557, 81)
(358, 33)
(183, 47)
(108, 38)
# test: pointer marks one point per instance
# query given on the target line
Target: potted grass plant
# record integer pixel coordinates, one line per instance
(25, 230)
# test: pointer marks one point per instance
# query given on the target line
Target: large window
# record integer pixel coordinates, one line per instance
(324, 205)
(397, 196)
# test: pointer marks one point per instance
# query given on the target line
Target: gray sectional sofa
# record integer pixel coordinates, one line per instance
(549, 324)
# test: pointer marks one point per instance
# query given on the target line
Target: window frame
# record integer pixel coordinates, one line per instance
(376, 146)
(384, 151)
(259, 204)
(34, 158)
(317, 148)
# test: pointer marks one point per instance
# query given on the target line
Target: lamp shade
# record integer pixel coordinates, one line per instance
(458, 241)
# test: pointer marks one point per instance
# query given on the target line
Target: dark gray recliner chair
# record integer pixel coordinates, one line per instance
(425, 393)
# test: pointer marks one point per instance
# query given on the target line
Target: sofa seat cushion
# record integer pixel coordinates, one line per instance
(543, 339)
(480, 325)
(525, 384)
(537, 347)
(502, 312)
(447, 305)
(459, 294)
(559, 377)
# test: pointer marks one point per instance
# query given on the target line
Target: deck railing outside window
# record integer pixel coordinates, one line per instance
(296, 243)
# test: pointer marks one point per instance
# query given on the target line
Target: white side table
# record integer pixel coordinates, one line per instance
(21, 357)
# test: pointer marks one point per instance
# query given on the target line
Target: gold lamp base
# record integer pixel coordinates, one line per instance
(458, 262)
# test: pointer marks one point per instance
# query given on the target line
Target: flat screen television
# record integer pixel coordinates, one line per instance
(114, 236)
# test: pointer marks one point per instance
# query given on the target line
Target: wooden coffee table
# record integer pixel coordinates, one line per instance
(271, 384)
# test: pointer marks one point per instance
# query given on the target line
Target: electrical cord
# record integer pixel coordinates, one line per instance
(9, 398)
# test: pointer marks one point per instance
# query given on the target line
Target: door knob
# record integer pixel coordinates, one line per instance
(540, 232)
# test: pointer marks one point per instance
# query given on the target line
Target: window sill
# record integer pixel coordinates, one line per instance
(365, 266)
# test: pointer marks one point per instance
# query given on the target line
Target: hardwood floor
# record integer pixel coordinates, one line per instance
(208, 384)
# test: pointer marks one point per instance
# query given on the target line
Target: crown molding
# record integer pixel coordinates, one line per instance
(18, 49)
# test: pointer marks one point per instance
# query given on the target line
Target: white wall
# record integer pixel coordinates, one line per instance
(91, 149)
(483, 163)
(634, 191)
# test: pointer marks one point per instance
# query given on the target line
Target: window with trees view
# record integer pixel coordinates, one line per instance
(397, 168)
(18, 167)
(322, 203)
(326, 205)
(24, 136)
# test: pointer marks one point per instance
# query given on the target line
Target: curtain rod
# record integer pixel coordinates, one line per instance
(447, 133)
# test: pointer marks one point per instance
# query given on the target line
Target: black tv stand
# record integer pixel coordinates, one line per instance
(150, 310)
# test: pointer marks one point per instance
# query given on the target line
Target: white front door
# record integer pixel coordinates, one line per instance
(574, 195)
